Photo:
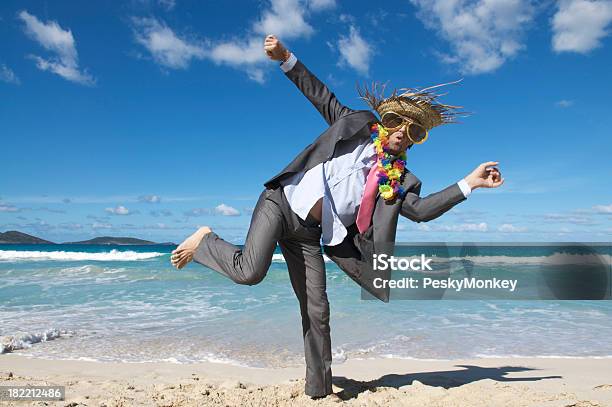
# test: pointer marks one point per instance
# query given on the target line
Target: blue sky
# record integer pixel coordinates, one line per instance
(149, 118)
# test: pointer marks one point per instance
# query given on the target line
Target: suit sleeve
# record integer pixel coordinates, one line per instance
(316, 91)
(432, 206)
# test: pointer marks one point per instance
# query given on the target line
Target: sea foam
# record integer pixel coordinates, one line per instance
(279, 258)
(553, 259)
(24, 340)
(113, 255)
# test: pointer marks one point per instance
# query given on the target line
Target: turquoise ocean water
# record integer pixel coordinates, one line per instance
(127, 303)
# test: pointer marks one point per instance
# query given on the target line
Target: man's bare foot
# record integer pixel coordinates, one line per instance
(183, 254)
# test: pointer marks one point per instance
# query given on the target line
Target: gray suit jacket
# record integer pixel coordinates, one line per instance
(355, 254)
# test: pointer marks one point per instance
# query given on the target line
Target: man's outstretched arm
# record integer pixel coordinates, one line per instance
(316, 91)
(432, 206)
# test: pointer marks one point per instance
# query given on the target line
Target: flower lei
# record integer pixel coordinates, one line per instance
(391, 167)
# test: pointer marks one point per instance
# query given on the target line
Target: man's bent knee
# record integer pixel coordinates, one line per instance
(249, 271)
(251, 279)
(251, 274)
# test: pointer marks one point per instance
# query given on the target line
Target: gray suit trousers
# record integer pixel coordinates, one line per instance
(273, 221)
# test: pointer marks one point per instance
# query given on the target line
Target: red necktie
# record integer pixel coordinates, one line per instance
(364, 215)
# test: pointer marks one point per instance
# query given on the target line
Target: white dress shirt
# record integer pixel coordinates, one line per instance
(340, 182)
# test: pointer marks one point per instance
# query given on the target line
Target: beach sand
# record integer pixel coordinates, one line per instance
(487, 382)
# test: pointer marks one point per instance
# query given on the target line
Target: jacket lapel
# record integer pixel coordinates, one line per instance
(323, 148)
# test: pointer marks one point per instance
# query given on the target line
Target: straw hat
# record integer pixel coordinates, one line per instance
(418, 104)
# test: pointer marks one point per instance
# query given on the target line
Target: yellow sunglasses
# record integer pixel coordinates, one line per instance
(393, 121)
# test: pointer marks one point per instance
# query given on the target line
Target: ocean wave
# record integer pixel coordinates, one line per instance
(113, 255)
(554, 259)
(278, 258)
(178, 360)
(23, 340)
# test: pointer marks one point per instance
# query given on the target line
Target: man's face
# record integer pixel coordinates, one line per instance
(398, 139)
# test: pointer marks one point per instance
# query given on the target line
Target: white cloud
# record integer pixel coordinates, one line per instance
(197, 212)
(163, 212)
(101, 225)
(510, 228)
(346, 18)
(166, 48)
(65, 61)
(119, 210)
(52, 210)
(9, 208)
(285, 19)
(226, 210)
(8, 76)
(257, 75)
(318, 5)
(462, 227)
(221, 209)
(70, 226)
(564, 103)
(568, 218)
(483, 34)
(603, 208)
(355, 51)
(248, 52)
(468, 227)
(579, 25)
(167, 4)
(149, 198)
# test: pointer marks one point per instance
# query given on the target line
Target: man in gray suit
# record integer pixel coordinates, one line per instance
(320, 198)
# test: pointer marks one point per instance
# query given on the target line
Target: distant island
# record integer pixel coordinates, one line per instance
(16, 237)
(13, 236)
(116, 241)
(119, 241)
